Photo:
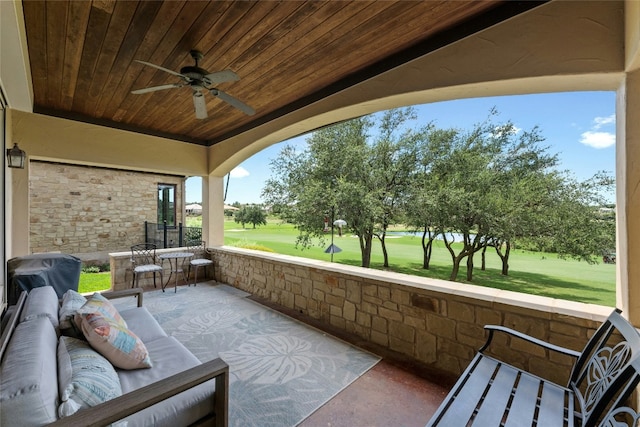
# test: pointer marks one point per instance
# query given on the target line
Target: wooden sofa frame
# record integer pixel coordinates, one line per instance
(491, 392)
(135, 401)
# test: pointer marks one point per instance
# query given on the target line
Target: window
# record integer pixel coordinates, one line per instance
(167, 204)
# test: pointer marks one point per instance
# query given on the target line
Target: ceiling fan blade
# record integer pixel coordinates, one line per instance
(233, 101)
(155, 88)
(200, 104)
(221, 77)
(166, 70)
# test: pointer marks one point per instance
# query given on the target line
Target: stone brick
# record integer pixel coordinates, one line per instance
(379, 324)
(379, 338)
(336, 311)
(402, 331)
(400, 345)
(441, 326)
(400, 297)
(426, 347)
(363, 319)
(486, 316)
(349, 311)
(300, 302)
(334, 300)
(462, 311)
(389, 314)
(353, 291)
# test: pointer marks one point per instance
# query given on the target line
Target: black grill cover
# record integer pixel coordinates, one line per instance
(62, 271)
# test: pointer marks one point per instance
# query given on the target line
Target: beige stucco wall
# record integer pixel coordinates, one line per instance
(90, 211)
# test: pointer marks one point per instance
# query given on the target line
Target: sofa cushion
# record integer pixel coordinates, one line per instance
(72, 301)
(29, 375)
(85, 378)
(169, 357)
(143, 324)
(41, 302)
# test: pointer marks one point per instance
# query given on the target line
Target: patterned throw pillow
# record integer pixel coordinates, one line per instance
(107, 332)
(85, 377)
(71, 302)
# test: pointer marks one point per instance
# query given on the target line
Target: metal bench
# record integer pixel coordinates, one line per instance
(491, 392)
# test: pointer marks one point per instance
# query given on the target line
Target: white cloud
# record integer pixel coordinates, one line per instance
(239, 172)
(598, 139)
(598, 122)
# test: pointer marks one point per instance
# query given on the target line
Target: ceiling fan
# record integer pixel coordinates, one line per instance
(201, 82)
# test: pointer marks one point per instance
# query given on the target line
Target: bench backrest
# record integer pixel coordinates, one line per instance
(606, 373)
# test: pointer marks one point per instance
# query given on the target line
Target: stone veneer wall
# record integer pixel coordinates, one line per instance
(86, 211)
(435, 322)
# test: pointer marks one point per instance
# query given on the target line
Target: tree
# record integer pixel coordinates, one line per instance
(330, 175)
(394, 154)
(251, 215)
(343, 172)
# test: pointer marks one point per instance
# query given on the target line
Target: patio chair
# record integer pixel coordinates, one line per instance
(198, 248)
(143, 260)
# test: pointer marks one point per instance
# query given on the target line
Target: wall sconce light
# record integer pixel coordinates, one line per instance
(15, 157)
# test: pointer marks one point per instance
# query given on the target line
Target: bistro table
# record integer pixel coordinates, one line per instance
(175, 266)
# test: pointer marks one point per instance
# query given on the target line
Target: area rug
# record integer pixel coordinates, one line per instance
(281, 370)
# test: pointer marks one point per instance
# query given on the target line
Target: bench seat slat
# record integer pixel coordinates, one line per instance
(552, 405)
(470, 389)
(497, 399)
(523, 406)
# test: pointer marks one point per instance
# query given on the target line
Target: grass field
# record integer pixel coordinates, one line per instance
(530, 272)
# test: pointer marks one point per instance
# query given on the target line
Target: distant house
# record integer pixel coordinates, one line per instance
(230, 208)
(193, 209)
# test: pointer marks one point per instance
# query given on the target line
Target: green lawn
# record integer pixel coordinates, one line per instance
(530, 272)
(93, 282)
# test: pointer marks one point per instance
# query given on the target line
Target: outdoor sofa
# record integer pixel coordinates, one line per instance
(37, 359)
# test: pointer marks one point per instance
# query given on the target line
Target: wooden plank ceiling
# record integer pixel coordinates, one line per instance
(287, 54)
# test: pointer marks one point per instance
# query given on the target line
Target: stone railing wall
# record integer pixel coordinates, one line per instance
(435, 322)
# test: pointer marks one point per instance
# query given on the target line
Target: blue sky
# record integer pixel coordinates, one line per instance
(578, 126)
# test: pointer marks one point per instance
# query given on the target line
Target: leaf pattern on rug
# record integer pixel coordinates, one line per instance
(271, 359)
(281, 370)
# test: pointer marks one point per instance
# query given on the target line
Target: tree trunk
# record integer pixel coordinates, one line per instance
(427, 249)
(365, 246)
(470, 266)
(384, 250)
(483, 265)
(504, 257)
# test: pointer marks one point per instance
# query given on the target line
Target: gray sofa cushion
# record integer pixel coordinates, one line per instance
(29, 375)
(142, 323)
(42, 301)
(169, 357)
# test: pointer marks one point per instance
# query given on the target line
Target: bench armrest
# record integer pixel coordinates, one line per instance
(137, 400)
(136, 292)
(528, 338)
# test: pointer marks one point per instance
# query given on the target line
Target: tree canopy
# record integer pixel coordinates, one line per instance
(492, 186)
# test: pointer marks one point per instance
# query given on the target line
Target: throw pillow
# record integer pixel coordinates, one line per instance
(85, 378)
(98, 303)
(113, 340)
(72, 301)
